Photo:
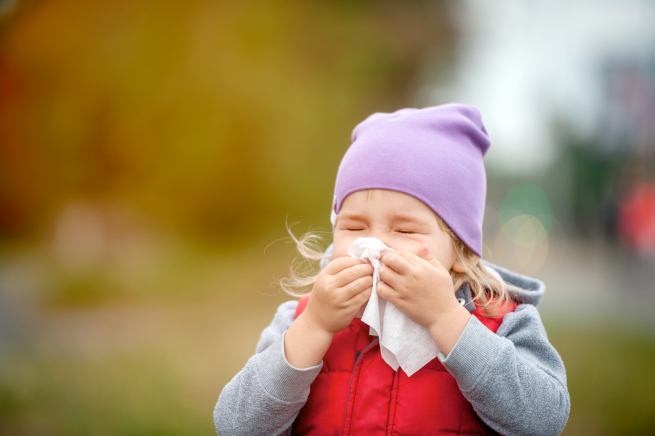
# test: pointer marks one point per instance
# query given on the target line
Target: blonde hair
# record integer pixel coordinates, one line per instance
(486, 289)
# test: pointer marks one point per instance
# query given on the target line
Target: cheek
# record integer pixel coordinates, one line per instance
(443, 255)
(398, 244)
(342, 244)
(407, 244)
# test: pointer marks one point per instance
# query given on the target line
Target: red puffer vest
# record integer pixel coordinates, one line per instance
(357, 393)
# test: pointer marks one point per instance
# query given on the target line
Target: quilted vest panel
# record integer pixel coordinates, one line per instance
(357, 393)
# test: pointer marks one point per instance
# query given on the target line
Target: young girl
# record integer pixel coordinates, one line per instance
(415, 180)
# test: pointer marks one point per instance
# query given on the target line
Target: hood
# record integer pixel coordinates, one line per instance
(531, 290)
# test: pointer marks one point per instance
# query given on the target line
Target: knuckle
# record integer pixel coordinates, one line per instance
(353, 261)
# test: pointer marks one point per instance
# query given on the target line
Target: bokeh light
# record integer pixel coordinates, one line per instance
(527, 257)
(524, 220)
(525, 215)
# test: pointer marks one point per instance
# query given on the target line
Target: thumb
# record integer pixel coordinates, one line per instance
(425, 254)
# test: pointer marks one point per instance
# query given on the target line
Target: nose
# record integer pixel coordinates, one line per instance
(379, 234)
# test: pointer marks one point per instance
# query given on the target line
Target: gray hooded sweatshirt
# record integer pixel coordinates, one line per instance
(514, 378)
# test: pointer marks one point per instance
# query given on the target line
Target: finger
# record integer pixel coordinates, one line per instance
(389, 276)
(387, 292)
(412, 259)
(351, 274)
(357, 286)
(341, 263)
(359, 299)
(397, 261)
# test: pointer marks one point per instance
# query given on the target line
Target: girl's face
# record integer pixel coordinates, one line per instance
(401, 221)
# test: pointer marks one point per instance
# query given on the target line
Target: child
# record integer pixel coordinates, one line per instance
(415, 180)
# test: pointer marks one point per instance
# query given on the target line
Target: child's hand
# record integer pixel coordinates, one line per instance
(420, 287)
(339, 291)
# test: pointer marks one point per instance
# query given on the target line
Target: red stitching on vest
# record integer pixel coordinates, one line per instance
(393, 402)
(353, 388)
(351, 397)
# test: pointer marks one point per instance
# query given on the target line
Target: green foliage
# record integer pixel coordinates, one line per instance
(610, 378)
(216, 119)
(129, 395)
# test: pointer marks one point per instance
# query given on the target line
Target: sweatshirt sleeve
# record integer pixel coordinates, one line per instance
(265, 397)
(515, 379)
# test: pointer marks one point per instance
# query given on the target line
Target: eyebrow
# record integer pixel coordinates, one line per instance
(352, 216)
(407, 219)
(401, 218)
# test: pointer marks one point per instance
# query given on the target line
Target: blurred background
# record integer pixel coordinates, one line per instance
(152, 152)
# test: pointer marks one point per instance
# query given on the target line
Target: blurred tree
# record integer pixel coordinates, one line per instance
(217, 119)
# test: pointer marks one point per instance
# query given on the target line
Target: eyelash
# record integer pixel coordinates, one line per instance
(404, 232)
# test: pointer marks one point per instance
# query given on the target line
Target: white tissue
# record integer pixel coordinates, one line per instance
(402, 342)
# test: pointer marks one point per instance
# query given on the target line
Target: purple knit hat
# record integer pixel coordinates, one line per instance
(433, 154)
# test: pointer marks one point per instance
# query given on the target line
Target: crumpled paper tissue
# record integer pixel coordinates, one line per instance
(403, 343)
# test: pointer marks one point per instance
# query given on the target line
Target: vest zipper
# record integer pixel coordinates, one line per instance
(352, 376)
